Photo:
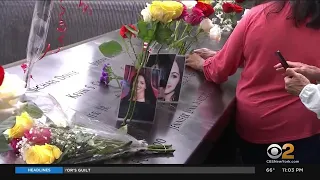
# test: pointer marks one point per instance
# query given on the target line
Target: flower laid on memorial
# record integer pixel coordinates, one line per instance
(37, 140)
(108, 75)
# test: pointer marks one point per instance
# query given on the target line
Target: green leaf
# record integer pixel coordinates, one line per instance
(111, 48)
(62, 156)
(143, 29)
(33, 110)
(163, 34)
(4, 146)
(7, 124)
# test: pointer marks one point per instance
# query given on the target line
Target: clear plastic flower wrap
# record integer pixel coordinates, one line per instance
(45, 133)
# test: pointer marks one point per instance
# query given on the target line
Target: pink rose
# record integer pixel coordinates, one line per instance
(184, 12)
(38, 135)
(14, 142)
(195, 17)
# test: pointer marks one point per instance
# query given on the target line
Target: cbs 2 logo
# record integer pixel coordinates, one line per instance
(274, 151)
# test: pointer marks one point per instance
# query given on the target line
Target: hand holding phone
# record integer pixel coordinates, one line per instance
(283, 61)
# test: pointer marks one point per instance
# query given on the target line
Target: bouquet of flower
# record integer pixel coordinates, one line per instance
(39, 131)
(175, 25)
(39, 143)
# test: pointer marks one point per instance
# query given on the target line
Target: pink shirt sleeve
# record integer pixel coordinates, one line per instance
(226, 62)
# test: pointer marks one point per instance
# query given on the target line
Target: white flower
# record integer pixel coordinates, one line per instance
(215, 33)
(206, 25)
(189, 4)
(11, 90)
(146, 14)
(218, 6)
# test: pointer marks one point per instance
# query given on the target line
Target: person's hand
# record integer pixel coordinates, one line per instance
(205, 53)
(310, 72)
(195, 61)
(295, 82)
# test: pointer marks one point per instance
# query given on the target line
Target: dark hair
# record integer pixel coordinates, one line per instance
(164, 62)
(176, 94)
(149, 94)
(301, 10)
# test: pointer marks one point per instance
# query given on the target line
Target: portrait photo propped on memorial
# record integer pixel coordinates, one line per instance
(145, 97)
(171, 72)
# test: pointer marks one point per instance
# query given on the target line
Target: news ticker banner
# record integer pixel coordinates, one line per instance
(165, 170)
(134, 170)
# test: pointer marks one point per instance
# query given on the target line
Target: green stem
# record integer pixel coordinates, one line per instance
(134, 89)
(144, 57)
(130, 103)
(143, 62)
(134, 52)
(184, 31)
(159, 146)
(177, 42)
(115, 77)
(195, 38)
(176, 30)
(162, 150)
(127, 49)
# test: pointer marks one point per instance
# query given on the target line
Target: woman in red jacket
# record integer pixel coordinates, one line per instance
(266, 113)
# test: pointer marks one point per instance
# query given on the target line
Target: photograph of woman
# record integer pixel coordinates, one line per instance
(164, 63)
(145, 95)
(172, 90)
(171, 70)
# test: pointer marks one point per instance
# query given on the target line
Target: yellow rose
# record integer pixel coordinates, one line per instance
(165, 11)
(23, 123)
(42, 154)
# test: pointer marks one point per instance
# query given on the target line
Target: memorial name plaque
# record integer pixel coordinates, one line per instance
(72, 76)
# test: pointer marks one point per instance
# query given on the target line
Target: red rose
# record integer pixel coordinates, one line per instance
(240, 1)
(237, 8)
(124, 31)
(206, 9)
(230, 7)
(1, 75)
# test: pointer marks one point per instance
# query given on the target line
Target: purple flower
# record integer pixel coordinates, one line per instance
(122, 82)
(104, 78)
(104, 74)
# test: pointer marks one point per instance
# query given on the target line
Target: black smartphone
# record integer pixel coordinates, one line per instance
(283, 61)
